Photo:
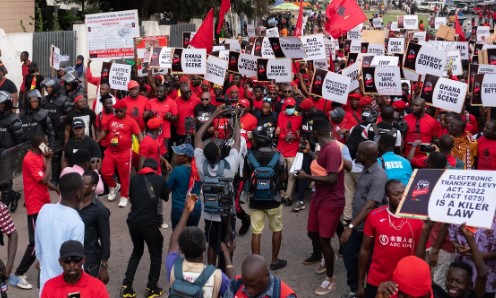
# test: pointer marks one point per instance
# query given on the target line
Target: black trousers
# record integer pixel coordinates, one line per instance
(151, 235)
(29, 255)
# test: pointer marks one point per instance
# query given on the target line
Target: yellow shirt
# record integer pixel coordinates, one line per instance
(465, 149)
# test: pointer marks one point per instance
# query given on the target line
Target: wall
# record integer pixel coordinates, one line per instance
(11, 46)
(13, 11)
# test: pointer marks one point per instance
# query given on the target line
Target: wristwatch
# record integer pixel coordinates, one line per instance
(351, 226)
(104, 265)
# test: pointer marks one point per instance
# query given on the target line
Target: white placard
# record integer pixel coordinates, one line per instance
(420, 35)
(376, 48)
(486, 68)
(119, 76)
(483, 33)
(377, 22)
(449, 95)
(314, 46)
(165, 58)
(355, 46)
(440, 21)
(111, 34)
(352, 72)
(323, 64)
(396, 45)
(330, 46)
(430, 61)
(251, 30)
(272, 32)
(216, 70)
(455, 60)
(292, 47)
(410, 22)
(218, 48)
(336, 87)
(388, 80)
(267, 51)
(463, 197)
(394, 26)
(194, 61)
(224, 54)
(355, 33)
(385, 61)
(280, 70)
(54, 57)
(488, 90)
(247, 65)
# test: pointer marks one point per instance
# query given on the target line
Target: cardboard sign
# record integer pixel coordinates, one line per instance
(272, 32)
(440, 21)
(454, 62)
(355, 33)
(216, 70)
(119, 76)
(484, 91)
(54, 57)
(408, 22)
(373, 36)
(189, 61)
(483, 33)
(111, 34)
(377, 22)
(450, 196)
(314, 46)
(187, 37)
(444, 93)
(330, 85)
(353, 73)
(425, 59)
(280, 70)
(446, 33)
(251, 30)
(287, 47)
(396, 45)
(385, 61)
(247, 65)
(383, 80)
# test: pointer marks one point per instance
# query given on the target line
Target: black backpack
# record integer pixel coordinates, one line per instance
(355, 138)
(182, 288)
(263, 179)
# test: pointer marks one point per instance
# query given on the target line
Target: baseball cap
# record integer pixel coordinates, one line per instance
(184, 149)
(132, 84)
(72, 248)
(290, 102)
(77, 123)
(337, 113)
(244, 102)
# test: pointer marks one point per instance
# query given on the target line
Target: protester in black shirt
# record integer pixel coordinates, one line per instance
(96, 218)
(266, 117)
(33, 79)
(79, 141)
(203, 110)
(81, 111)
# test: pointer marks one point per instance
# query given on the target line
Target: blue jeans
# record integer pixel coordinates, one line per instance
(351, 251)
(193, 219)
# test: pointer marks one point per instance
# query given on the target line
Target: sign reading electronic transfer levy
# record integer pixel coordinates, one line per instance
(451, 196)
(111, 34)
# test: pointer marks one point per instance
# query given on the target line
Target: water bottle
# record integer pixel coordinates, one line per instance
(3, 289)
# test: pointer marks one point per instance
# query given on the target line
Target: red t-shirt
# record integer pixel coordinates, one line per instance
(185, 108)
(323, 105)
(101, 123)
(120, 132)
(257, 104)
(330, 158)
(150, 148)
(87, 286)
(160, 109)
(220, 126)
(35, 193)
(429, 130)
(248, 122)
(288, 124)
(350, 118)
(487, 154)
(394, 239)
(136, 108)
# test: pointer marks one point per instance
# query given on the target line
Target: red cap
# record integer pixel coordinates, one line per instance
(365, 101)
(355, 95)
(290, 101)
(132, 84)
(244, 102)
(205, 83)
(306, 104)
(294, 84)
(416, 285)
(78, 98)
(183, 79)
(120, 104)
(399, 105)
(154, 123)
(233, 88)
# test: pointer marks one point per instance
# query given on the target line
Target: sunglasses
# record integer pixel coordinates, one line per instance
(288, 91)
(273, 93)
(205, 99)
(68, 260)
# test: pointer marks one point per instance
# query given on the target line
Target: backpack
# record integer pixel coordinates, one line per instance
(235, 284)
(182, 288)
(358, 134)
(213, 188)
(263, 186)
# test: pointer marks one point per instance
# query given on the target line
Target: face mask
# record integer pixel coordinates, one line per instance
(290, 111)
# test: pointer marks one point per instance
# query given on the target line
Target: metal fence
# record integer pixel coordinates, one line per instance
(65, 40)
(176, 34)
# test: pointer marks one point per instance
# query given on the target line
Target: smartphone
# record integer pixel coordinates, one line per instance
(74, 295)
(44, 148)
(427, 148)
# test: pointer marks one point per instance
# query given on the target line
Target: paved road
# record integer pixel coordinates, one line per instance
(295, 248)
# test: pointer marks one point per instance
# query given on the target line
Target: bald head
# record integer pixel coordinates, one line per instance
(255, 275)
(367, 153)
(418, 106)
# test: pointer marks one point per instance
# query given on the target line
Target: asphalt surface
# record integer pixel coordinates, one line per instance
(295, 248)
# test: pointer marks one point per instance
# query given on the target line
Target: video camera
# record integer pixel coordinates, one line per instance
(220, 195)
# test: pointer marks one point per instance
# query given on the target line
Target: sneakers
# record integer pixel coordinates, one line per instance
(157, 292)
(113, 192)
(314, 258)
(299, 206)
(327, 286)
(14, 200)
(288, 202)
(127, 292)
(20, 281)
(279, 265)
(164, 225)
(123, 202)
(322, 267)
(349, 295)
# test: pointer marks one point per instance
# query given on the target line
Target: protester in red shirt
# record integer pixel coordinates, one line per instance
(353, 111)
(150, 145)
(136, 103)
(340, 125)
(258, 97)
(24, 57)
(247, 122)
(236, 81)
(103, 117)
(73, 280)
(164, 108)
(487, 147)
(36, 175)
(186, 108)
(389, 237)
(288, 133)
(421, 126)
(322, 104)
(119, 129)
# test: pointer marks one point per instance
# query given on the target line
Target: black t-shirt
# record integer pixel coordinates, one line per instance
(86, 143)
(440, 293)
(307, 122)
(29, 80)
(144, 210)
(203, 113)
(8, 86)
(87, 115)
(267, 121)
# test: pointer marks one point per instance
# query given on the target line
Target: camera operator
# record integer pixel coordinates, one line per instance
(213, 172)
(388, 125)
